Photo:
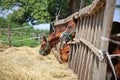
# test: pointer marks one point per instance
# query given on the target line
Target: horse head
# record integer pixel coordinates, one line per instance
(116, 51)
(48, 43)
(117, 61)
(69, 32)
(45, 47)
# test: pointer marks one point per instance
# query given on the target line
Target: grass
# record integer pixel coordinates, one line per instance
(25, 35)
(15, 41)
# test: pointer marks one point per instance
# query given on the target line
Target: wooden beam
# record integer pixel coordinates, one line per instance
(88, 10)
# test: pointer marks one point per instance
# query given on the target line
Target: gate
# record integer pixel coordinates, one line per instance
(93, 26)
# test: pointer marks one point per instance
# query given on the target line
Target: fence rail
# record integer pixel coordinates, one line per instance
(11, 33)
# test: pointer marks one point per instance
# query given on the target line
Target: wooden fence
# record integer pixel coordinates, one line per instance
(11, 33)
(94, 22)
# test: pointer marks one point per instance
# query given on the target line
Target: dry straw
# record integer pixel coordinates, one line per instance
(24, 63)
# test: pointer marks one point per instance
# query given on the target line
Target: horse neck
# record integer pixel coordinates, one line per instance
(53, 38)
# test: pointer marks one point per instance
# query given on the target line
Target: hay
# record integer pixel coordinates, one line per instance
(3, 47)
(24, 63)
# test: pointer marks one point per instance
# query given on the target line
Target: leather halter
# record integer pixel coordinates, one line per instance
(43, 52)
(69, 34)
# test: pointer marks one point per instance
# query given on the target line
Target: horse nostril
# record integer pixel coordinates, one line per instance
(43, 54)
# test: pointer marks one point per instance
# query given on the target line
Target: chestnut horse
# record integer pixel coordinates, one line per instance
(66, 36)
(115, 49)
(50, 42)
(69, 32)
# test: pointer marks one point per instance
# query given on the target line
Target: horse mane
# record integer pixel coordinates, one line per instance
(53, 38)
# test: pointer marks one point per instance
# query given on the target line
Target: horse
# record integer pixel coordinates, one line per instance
(117, 62)
(48, 43)
(69, 32)
(114, 49)
(66, 36)
(54, 38)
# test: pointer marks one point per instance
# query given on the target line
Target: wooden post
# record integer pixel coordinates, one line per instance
(82, 4)
(21, 35)
(56, 19)
(9, 34)
(0, 37)
(39, 38)
(108, 19)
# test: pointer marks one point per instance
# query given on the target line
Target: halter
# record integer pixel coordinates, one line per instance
(44, 50)
(69, 34)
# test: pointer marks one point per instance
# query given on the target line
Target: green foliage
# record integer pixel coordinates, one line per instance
(88, 2)
(4, 23)
(34, 11)
(56, 7)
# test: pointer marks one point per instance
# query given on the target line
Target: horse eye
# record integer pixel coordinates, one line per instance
(42, 45)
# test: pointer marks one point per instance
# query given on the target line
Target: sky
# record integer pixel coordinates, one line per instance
(42, 26)
(5, 13)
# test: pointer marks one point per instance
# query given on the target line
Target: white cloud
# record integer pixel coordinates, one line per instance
(42, 26)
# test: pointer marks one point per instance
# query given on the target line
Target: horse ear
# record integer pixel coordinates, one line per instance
(43, 38)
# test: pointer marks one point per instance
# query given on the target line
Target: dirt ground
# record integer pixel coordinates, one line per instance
(24, 63)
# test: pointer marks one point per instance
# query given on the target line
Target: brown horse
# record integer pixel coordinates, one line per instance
(117, 65)
(48, 43)
(116, 60)
(115, 49)
(66, 36)
(69, 32)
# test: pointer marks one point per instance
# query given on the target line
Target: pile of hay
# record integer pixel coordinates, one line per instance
(24, 63)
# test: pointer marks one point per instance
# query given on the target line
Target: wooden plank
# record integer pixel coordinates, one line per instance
(79, 47)
(107, 25)
(9, 35)
(87, 65)
(82, 4)
(90, 67)
(78, 35)
(63, 21)
(84, 51)
(88, 10)
(100, 28)
(75, 57)
(70, 57)
(84, 64)
(77, 52)
(91, 46)
(80, 61)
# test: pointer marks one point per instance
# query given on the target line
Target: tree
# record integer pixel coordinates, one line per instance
(4, 23)
(34, 11)
(58, 7)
